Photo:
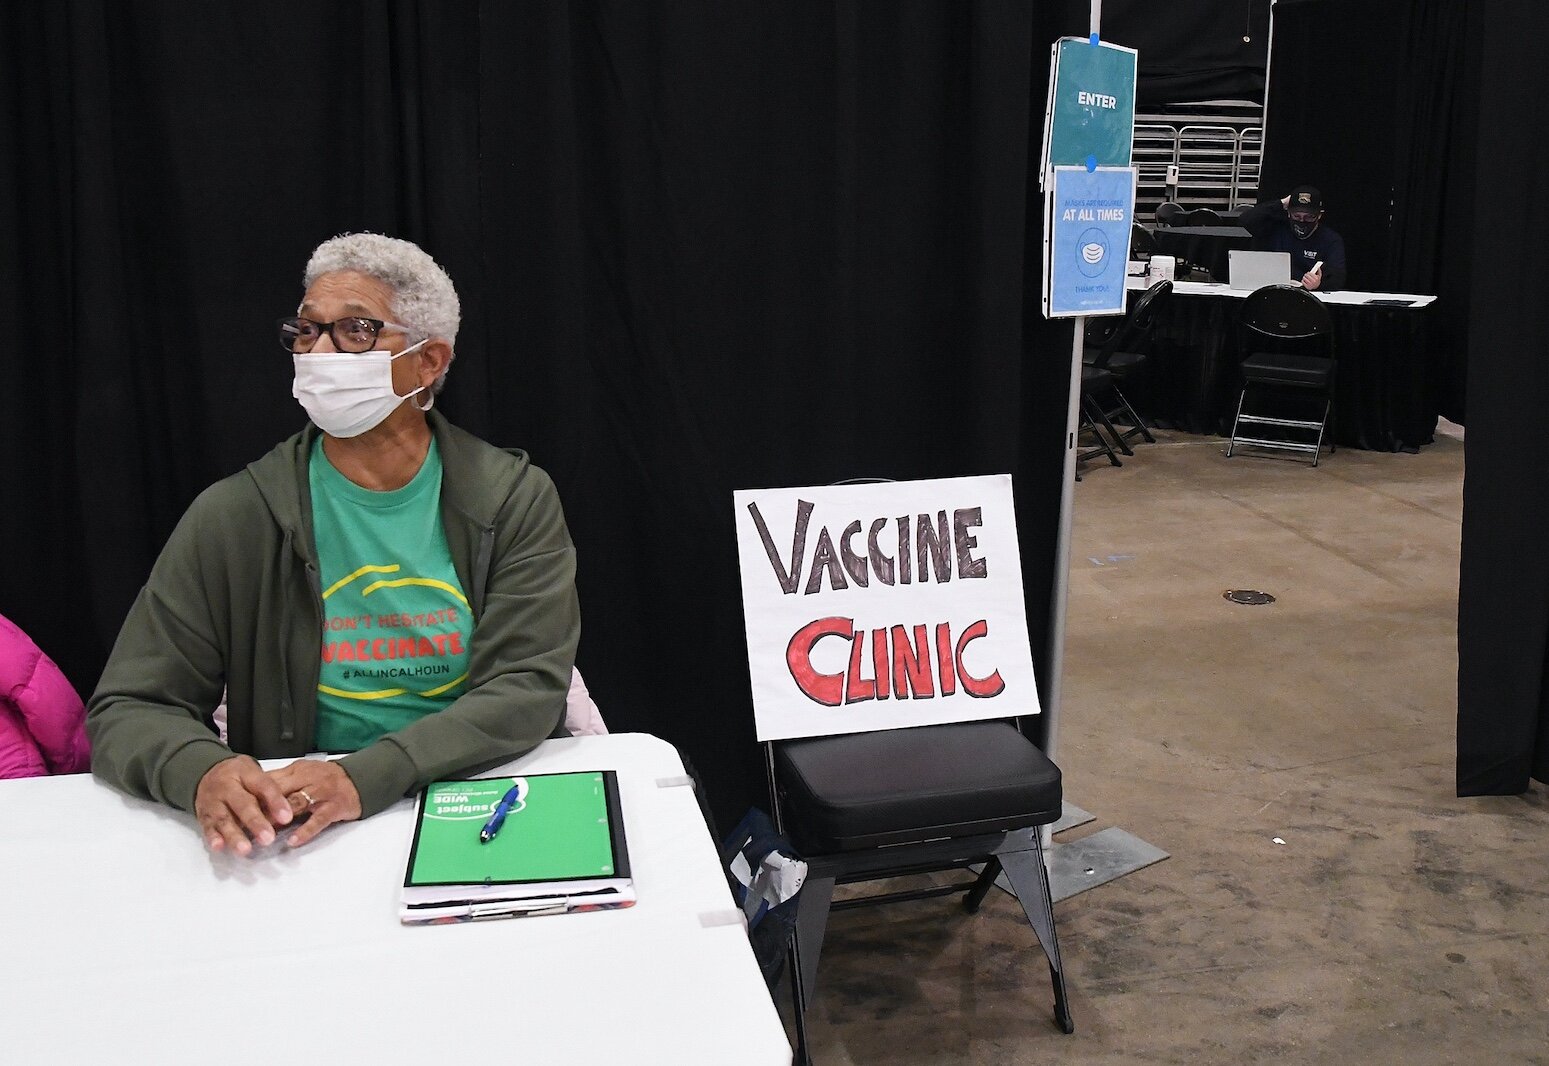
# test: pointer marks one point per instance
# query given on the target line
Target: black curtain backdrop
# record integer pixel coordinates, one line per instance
(1503, 608)
(1429, 246)
(700, 246)
(1193, 50)
(1432, 152)
(1392, 150)
(1341, 141)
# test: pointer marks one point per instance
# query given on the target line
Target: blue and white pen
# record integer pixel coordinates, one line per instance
(498, 818)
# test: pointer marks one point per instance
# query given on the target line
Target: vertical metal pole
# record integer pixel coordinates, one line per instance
(1135, 858)
(1269, 66)
(1056, 657)
(1055, 687)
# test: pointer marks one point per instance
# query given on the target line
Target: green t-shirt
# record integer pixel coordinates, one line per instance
(396, 625)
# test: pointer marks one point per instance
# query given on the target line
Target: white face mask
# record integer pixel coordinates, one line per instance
(347, 394)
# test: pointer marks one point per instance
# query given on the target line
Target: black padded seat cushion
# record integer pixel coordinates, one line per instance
(863, 790)
(1095, 377)
(1119, 363)
(1309, 371)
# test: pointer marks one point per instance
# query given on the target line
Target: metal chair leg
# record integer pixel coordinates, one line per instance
(1327, 404)
(1030, 881)
(817, 894)
(1232, 440)
(806, 944)
(1103, 447)
(982, 886)
(1118, 438)
(1134, 418)
(802, 1056)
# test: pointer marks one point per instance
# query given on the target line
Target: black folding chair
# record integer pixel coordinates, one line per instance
(866, 806)
(1121, 351)
(1290, 340)
(1095, 382)
(899, 802)
(1142, 245)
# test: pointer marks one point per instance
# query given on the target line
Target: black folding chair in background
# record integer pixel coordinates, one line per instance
(1090, 441)
(1142, 245)
(1289, 338)
(1202, 216)
(1118, 353)
(1171, 214)
(1098, 381)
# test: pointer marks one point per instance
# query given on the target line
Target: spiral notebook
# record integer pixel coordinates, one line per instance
(561, 849)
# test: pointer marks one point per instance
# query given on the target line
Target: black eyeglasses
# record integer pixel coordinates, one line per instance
(352, 335)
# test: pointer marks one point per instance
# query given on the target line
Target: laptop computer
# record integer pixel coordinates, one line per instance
(1254, 270)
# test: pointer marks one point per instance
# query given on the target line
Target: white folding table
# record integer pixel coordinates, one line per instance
(123, 940)
(1345, 297)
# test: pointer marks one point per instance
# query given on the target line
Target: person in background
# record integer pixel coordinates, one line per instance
(1295, 225)
(381, 584)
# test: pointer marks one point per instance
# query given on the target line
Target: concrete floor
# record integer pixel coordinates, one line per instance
(1395, 924)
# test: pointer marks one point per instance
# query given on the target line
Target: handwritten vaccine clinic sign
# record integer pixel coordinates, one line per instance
(1086, 243)
(883, 606)
(1091, 112)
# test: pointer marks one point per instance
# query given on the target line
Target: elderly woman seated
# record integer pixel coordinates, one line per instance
(382, 584)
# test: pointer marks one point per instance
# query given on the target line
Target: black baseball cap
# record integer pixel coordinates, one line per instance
(1305, 198)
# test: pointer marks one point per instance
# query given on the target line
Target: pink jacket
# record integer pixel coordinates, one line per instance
(42, 720)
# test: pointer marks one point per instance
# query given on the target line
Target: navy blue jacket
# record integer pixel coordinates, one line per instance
(1272, 233)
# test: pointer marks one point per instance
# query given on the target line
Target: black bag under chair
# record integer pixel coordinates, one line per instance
(866, 806)
(766, 876)
(1298, 366)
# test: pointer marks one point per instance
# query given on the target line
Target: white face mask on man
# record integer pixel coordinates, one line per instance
(347, 394)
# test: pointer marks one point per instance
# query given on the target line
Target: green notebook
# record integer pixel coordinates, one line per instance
(560, 849)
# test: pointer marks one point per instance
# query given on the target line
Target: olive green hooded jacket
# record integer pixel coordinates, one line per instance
(234, 603)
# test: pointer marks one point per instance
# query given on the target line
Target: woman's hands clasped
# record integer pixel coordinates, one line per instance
(239, 804)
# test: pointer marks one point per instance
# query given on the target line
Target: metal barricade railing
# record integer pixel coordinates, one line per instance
(1207, 161)
(1250, 157)
(1156, 149)
(1217, 166)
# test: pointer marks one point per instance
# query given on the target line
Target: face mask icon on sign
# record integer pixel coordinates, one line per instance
(1092, 253)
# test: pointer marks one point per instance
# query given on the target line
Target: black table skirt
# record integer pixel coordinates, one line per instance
(1383, 397)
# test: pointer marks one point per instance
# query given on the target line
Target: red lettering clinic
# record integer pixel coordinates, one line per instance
(907, 650)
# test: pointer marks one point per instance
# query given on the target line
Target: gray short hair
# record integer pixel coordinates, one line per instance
(424, 298)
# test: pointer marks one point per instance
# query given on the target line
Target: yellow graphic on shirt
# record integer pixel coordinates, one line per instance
(368, 569)
(389, 693)
(391, 647)
(429, 582)
(382, 694)
(445, 687)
